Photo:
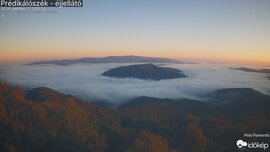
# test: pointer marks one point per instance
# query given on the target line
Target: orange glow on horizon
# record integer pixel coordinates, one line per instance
(24, 56)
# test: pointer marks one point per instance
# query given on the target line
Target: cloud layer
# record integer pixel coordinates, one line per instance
(85, 81)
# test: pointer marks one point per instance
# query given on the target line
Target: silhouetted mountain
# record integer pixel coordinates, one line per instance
(144, 71)
(143, 101)
(238, 103)
(41, 94)
(235, 102)
(252, 70)
(179, 106)
(46, 120)
(233, 94)
(109, 59)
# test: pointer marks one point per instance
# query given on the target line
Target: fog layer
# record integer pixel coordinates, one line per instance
(86, 81)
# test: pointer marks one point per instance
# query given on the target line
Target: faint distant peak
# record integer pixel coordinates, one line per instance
(252, 70)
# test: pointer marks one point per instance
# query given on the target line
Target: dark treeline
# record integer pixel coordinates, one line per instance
(44, 120)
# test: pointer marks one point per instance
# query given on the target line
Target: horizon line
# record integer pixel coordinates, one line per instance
(198, 59)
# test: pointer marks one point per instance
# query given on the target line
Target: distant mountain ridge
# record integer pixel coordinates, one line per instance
(227, 95)
(109, 59)
(233, 102)
(267, 71)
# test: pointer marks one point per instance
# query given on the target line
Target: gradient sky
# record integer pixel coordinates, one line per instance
(190, 29)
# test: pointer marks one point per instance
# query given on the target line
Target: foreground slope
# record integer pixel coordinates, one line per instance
(43, 119)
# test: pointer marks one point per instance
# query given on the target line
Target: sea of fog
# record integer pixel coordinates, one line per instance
(85, 81)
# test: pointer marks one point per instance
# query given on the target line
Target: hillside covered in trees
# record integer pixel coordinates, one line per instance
(45, 120)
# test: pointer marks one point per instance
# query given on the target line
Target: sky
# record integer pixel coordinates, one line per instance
(233, 30)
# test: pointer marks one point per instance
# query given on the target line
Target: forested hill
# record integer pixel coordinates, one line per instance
(46, 120)
(145, 72)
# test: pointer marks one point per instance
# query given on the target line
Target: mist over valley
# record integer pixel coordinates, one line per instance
(87, 82)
